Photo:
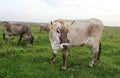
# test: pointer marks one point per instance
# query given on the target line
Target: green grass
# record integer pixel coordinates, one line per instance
(26, 61)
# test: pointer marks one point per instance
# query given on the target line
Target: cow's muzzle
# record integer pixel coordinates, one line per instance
(64, 45)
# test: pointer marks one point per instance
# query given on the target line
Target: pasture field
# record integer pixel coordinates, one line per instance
(26, 61)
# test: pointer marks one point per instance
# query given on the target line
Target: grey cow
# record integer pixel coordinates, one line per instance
(17, 29)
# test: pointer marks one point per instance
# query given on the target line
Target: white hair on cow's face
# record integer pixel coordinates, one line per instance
(55, 43)
(54, 37)
(64, 44)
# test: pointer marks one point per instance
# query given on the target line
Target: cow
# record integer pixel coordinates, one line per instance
(17, 29)
(44, 27)
(67, 33)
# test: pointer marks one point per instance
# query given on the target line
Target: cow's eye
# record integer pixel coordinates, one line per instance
(58, 31)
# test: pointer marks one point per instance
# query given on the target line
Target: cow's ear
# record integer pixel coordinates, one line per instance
(51, 22)
(51, 26)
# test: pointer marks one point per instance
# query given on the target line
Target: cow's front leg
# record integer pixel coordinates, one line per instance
(94, 56)
(20, 38)
(54, 55)
(64, 56)
(4, 36)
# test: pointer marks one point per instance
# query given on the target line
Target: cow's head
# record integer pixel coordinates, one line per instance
(58, 35)
(29, 38)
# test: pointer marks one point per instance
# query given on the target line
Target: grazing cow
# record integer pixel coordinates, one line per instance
(66, 33)
(44, 27)
(17, 29)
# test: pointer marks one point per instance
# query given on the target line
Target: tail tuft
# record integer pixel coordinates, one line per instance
(100, 49)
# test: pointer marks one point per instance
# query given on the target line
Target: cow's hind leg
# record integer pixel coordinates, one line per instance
(94, 56)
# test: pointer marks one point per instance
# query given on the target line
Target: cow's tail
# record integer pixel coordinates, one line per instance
(4, 36)
(100, 49)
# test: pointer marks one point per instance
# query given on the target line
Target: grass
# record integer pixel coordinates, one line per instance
(26, 61)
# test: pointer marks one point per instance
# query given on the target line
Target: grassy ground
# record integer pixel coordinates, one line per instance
(26, 61)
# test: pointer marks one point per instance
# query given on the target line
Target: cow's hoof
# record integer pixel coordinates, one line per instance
(63, 68)
(52, 62)
(90, 65)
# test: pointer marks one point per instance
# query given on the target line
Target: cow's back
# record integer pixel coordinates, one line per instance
(18, 28)
(84, 26)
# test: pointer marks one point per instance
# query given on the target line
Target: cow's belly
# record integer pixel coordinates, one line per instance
(75, 39)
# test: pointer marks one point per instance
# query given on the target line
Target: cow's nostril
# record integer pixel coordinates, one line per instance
(65, 46)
